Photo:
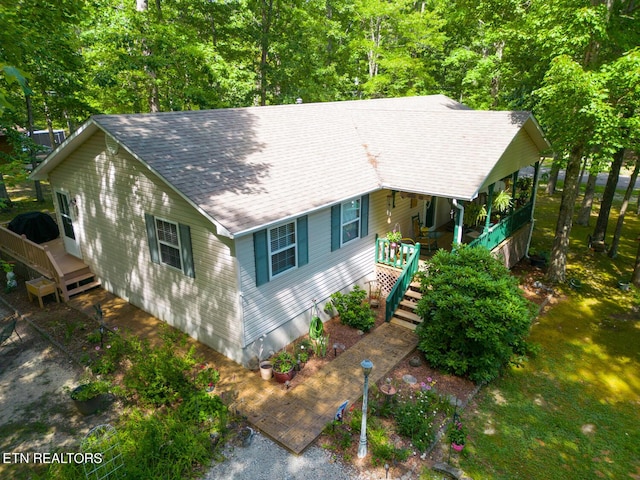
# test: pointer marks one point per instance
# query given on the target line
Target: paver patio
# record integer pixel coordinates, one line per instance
(292, 417)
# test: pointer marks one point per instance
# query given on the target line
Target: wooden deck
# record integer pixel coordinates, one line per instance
(50, 260)
(293, 418)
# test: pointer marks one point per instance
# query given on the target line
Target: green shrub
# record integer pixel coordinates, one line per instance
(159, 376)
(415, 419)
(476, 319)
(353, 310)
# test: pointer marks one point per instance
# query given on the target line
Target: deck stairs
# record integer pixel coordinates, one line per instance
(405, 315)
(50, 260)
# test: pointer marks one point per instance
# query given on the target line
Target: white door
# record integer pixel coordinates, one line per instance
(71, 244)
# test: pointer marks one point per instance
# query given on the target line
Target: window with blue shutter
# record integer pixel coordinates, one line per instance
(170, 244)
(349, 221)
(280, 248)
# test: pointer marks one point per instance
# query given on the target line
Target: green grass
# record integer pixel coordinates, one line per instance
(572, 412)
(23, 200)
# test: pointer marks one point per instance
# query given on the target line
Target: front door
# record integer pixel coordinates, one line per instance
(71, 244)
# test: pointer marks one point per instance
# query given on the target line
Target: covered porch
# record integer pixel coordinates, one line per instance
(500, 219)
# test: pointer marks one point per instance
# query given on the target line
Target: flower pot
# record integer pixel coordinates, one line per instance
(282, 377)
(88, 406)
(457, 447)
(266, 370)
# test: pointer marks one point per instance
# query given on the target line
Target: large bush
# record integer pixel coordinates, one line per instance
(353, 309)
(475, 317)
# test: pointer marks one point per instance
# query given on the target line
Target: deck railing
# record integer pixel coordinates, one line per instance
(406, 257)
(496, 234)
(30, 253)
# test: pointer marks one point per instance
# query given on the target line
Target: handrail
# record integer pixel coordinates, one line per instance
(400, 287)
(496, 234)
(30, 253)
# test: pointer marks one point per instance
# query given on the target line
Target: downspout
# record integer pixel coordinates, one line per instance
(536, 177)
(457, 229)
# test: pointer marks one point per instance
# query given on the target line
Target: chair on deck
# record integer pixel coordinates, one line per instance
(422, 235)
(8, 329)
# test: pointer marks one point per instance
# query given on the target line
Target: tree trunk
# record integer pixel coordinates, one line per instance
(587, 202)
(267, 15)
(558, 264)
(635, 277)
(553, 177)
(5, 200)
(600, 231)
(36, 183)
(613, 251)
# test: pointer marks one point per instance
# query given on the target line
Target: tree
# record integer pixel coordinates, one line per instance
(475, 317)
(573, 109)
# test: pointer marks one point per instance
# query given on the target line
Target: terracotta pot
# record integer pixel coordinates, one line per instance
(284, 377)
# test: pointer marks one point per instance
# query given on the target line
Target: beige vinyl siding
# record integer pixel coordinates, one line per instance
(522, 152)
(113, 193)
(291, 294)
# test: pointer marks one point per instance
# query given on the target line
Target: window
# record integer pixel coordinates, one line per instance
(282, 248)
(170, 244)
(350, 221)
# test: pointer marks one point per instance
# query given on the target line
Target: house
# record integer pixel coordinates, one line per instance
(228, 224)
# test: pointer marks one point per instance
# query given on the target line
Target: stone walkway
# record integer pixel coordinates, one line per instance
(294, 418)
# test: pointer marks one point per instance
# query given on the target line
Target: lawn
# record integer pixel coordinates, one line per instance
(573, 411)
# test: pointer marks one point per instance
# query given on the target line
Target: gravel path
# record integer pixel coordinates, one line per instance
(265, 460)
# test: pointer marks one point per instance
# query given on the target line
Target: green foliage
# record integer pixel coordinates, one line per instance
(90, 390)
(476, 319)
(320, 345)
(159, 376)
(283, 362)
(353, 309)
(457, 433)
(415, 418)
(113, 350)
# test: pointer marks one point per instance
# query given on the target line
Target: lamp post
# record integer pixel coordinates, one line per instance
(367, 366)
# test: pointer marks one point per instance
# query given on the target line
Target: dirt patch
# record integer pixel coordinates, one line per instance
(37, 371)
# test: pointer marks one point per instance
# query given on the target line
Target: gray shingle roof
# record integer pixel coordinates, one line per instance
(248, 167)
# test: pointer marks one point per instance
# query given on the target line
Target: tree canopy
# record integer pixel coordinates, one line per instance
(573, 62)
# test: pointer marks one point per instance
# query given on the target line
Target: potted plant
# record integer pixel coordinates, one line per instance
(89, 397)
(457, 435)
(283, 364)
(394, 237)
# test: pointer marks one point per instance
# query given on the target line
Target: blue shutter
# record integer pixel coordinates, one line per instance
(261, 254)
(186, 253)
(335, 227)
(364, 216)
(303, 241)
(152, 238)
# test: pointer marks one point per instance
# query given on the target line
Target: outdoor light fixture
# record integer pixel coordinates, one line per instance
(367, 366)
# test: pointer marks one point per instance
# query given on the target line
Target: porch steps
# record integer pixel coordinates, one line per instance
(77, 282)
(405, 315)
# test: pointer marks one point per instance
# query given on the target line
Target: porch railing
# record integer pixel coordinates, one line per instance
(30, 253)
(496, 234)
(406, 257)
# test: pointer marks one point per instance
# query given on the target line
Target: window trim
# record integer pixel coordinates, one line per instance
(271, 253)
(185, 248)
(159, 242)
(358, 219)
